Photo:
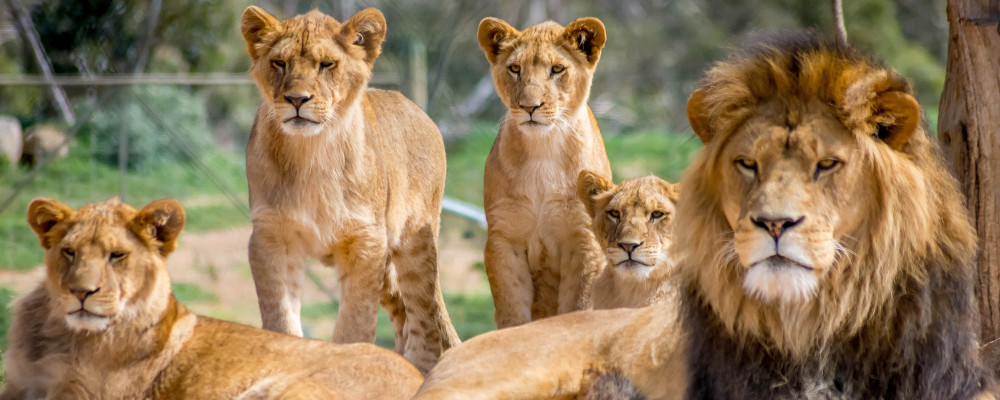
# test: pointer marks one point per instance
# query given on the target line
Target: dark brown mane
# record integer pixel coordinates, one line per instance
(898, 323)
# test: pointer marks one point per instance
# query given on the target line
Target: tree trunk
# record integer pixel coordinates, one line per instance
(969, 130)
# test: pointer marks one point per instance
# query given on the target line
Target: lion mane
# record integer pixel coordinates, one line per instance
(893, 315)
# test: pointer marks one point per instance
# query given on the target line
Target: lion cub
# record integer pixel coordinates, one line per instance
(348, 175)
(104, 325)
(540, 255)
(634, 223)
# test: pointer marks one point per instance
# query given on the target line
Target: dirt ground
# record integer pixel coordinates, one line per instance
(213, 268)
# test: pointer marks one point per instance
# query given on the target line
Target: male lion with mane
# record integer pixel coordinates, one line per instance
(540, 255)
(351, 176)
(104, 325)
(827, 251)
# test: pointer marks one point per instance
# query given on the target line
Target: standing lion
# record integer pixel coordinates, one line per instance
(540, 253)
(351, 176)
(827, 252)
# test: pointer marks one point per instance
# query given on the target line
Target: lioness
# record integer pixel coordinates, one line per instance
(827, 251)
(349, 175)
(566, 356)
(540, 255)
(104, 325)
(634, 223)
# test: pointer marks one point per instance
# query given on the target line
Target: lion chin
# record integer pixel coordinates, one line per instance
(778, 279)
(299, 126)
(85, 321)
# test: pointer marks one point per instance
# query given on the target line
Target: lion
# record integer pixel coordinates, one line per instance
(351, 176)
(540, 255)
(618, 353)
(827, 251)
(104, 325)
(634, 222)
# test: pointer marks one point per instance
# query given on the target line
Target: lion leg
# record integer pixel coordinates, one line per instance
(510, 282)
(278, 274)
(428, 328)
(392, 302)
(547, 284)
(361, 263)
(579, 269)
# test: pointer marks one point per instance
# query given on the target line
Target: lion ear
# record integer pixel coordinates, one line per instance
(897, 116)
(366, 29)
(673, 190)
(256, 24)
(161, 222)
(495, 36)
(589, 186)
(43, 216)
(588, 36)
(698, 115)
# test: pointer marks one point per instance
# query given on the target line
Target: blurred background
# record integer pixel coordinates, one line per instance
(150, 99)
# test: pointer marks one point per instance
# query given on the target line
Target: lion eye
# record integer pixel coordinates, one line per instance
(326, 65)
(614, 214)
(558, 68)
(117, 256)
(278, 64)
(514, 69)
(69, 254)
(656, 215)
(824, 165)
(747, 164)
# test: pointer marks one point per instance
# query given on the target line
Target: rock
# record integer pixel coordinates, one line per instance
(42, 141)
(11, 141)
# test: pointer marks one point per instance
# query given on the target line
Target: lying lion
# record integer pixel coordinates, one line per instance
(104, 325)
(597, 354)
(633, 223)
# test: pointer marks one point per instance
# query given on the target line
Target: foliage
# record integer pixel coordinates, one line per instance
(140, 114)
(78, 180)
(6, 297)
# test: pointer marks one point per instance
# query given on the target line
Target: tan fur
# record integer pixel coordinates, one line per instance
(356, 184)
(540, 256)
(633, 223)
(104, 325)
(559, 357)
(827, 251)
(873, 200)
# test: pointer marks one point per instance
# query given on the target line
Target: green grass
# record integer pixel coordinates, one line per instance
(471, 314)
(191, 293)
(77, 180)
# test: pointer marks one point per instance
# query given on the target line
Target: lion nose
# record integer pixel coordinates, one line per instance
(531, 108)
(776, 226)
(629, 247)
(298, 100)
(82, 293)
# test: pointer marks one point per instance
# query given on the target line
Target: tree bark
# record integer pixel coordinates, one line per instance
(969, 131)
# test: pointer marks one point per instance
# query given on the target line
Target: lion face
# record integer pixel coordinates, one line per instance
(542, 74)
(795, 163)
(311, 68)
(796, 191)
(633, 221)
(106, 261)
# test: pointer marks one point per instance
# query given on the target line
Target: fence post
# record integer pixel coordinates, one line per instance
(418, 74)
